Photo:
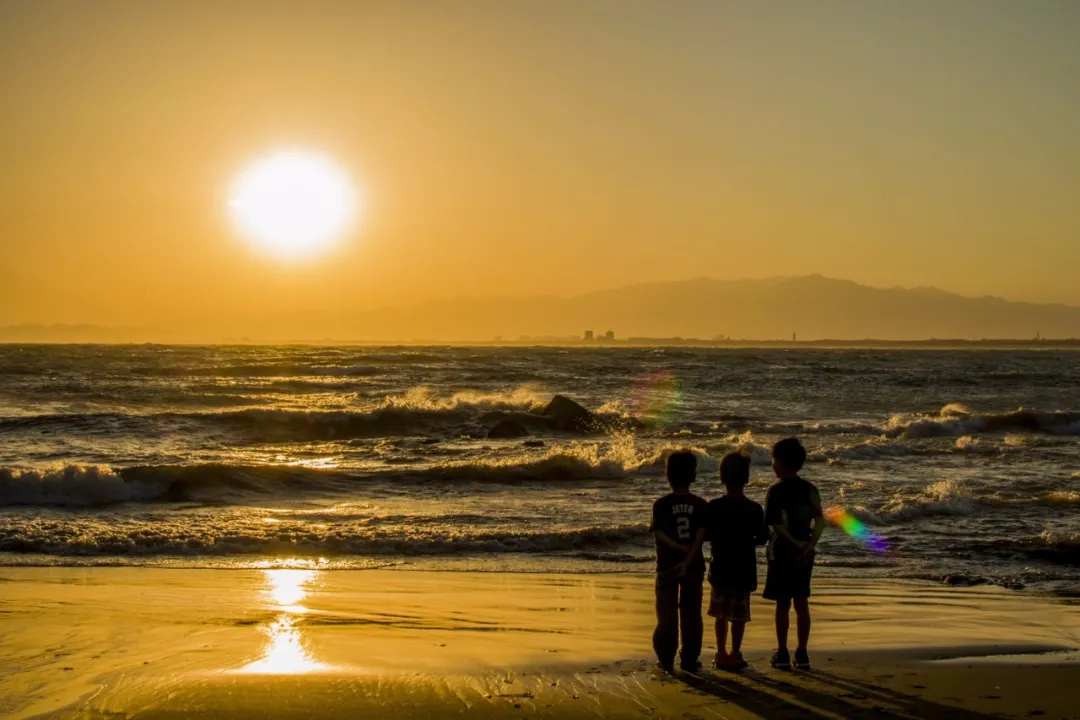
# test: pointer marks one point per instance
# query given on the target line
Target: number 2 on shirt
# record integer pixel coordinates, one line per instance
(684, 528)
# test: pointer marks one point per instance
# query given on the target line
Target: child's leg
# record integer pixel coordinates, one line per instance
(693, 627)
(666, 635)
(802, 621)
(721, 638)
(738, 629)
(783, 607)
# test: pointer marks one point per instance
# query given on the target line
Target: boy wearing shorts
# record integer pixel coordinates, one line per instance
(736, 526)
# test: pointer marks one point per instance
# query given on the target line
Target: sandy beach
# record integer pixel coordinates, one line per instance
(167, 643)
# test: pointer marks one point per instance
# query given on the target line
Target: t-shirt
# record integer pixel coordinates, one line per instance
(679, 516)
(736, 526)
(794, 502)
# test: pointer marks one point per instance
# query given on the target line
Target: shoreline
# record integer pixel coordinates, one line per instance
(506, 565)
(87, 642)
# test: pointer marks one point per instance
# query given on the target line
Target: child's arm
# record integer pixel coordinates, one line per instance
(775, 519)
(664, 539)
(691, 552)
(819, 524)
(761, 537)
(695, 547)
(782, 531)
(660, 535)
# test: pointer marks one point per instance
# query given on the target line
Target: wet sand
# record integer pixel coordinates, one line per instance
(166, 643)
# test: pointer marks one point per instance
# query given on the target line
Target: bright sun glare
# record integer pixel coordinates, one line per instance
(293, 203)
(285, 652)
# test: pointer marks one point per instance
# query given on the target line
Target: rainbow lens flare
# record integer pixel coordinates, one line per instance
(655, 397)
(856, 528)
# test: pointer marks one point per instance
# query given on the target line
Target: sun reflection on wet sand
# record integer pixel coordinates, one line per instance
(285, 652)
(288, 587)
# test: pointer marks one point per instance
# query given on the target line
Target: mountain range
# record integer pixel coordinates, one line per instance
(811, 307)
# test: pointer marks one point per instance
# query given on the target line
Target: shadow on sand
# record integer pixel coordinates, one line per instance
(821, 694)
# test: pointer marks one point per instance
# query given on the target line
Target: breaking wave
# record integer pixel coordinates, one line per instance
(415, 412)
(77, 486)
(254, 537)
(878, 447)
(1053, 547)
(953, 498)
(952, 421)
(956, 420)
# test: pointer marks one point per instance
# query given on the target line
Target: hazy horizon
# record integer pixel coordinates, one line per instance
(813, 307)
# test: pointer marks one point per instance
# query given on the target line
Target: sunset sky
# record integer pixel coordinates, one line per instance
(535, 147)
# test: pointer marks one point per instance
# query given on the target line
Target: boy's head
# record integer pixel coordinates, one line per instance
(735, 471)
(681, 469)
(788, 457)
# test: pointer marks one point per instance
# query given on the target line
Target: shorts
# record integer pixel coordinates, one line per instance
(788, 580)
(727, 605)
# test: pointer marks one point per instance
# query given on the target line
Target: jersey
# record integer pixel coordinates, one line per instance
(679, 516)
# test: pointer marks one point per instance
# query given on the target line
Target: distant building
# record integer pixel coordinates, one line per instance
(588, 336)
(609, 335)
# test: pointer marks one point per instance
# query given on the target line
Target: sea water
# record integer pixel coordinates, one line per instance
(967, 463)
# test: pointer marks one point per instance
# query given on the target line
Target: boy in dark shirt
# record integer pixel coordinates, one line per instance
(678, 525)
(793, 514)
(736, 526)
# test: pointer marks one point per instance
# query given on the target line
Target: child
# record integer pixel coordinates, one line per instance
(678, 525)
(736, 526)
(793, 513)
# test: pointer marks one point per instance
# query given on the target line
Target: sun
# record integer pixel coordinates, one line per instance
(293, 203)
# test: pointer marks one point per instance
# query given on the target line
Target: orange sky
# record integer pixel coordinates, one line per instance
(535, 147)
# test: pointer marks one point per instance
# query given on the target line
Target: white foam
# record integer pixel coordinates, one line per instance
(872, 449)
(423, 398)
(945, 497)
(759, 453)
(955, 420)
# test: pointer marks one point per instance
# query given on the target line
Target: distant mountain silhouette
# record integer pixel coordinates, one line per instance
(814, 307)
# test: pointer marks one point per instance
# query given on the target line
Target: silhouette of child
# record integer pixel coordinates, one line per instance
(678, 525)
(793, 514)
(736, 526)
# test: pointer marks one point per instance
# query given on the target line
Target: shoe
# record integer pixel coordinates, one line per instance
(720, 661)
(668, 667)
(691, 667)
(802, 659)
(781, 660)
(734, 663)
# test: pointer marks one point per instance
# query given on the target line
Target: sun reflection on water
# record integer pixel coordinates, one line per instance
(285, 652)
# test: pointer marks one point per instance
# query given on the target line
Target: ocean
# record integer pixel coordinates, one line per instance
(965, 464)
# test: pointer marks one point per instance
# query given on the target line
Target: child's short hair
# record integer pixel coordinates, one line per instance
(681, 468)
(790, 453)
(735, 471)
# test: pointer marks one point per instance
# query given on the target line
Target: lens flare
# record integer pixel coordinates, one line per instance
(655, 397)
(857, 529)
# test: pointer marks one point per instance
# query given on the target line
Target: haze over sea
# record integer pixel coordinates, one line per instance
(967, 462)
